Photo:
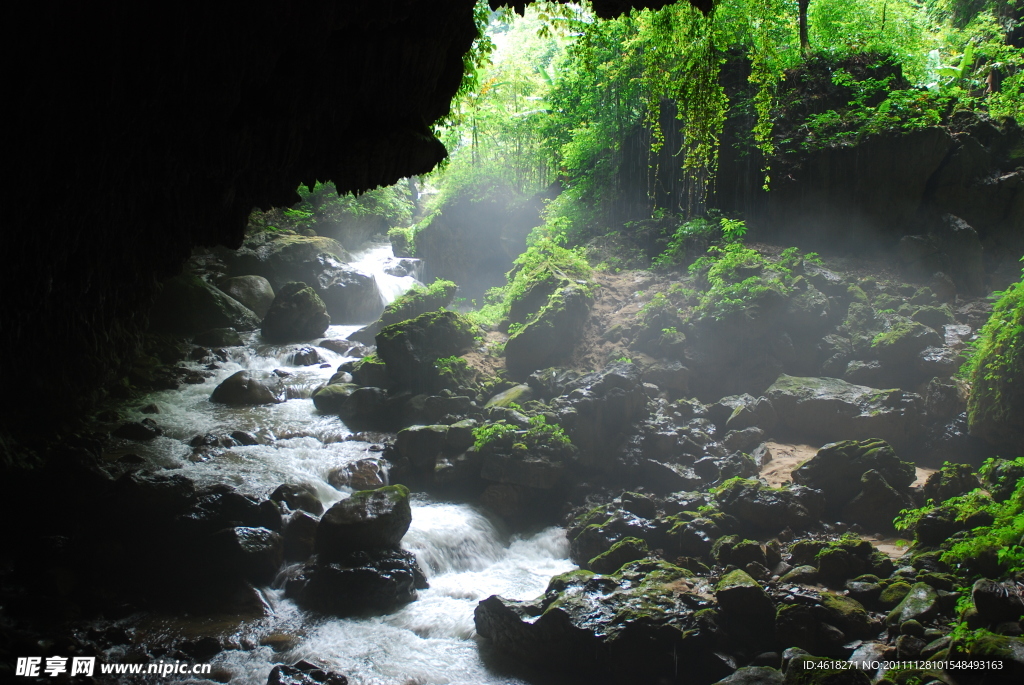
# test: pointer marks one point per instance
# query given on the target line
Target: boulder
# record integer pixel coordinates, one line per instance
(920, 603)
(305, 356)
(298, 497)
(358, 407)
(364, 474)
(635, 626)
(254, 292)
(742, 598)
(753, 675)
(350, 295)
(901, 341)
(552, 335)
(529, 469)
(517, 394)
(670, 376)
(367, 520)
(256, 553)
(876, 505)
(299, 536)
(297, 313)
(357, 583)
(304, 673)
(421, 445)
(831, 409)
(622, 552)
(284, 257)
(187, 305)
(411, 348)
(240, 390)
(418, 300)
(998, 602)
(837, 468)
(138, 430)
(768, 510)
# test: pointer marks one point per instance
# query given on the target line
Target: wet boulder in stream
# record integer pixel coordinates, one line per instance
(240, 390)
(369, 519)
(297, 314)
(410, 348)
(254, 292)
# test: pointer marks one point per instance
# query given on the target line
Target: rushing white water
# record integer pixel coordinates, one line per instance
(464, 554)
(377, 260)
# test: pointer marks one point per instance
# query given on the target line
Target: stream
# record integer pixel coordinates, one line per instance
(464, 553)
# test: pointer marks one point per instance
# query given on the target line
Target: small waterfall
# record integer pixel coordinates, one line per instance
(380, 262)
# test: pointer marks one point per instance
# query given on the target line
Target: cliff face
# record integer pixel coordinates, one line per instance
(141, 131)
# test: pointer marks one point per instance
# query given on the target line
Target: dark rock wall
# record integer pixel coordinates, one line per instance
(137, 131)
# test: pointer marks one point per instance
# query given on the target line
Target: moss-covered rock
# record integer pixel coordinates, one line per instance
(416, 301)
(622, 552)
(996, 402)
(920, 603)
(368, 519)
(849, 615)
(837, 468)
(742, 597)
(410, 349)
(552, 334)
(518, 394)
(371, 370)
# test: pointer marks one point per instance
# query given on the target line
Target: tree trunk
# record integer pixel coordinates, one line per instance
(805, 44)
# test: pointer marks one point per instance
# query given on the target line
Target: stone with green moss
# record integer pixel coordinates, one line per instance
(518, 394)
(893, 593)
(367, 520)
(920, 603)
(996, 402)
(740, 595)
(902, 340)
(410, 349)
(371, 370)
(849, 615)
(552, 334)
(622, 552)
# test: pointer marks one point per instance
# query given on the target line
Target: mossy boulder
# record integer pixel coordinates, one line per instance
(742, 597)
(768, 510)
(996, 402)
(622, 552)
(552, 334)
(900, 343)
(188, 305)
(411, 348)
(371, 370)
(876, 505)
(920, 603)
(418, 300)
(849, 615)
(634, 626)
(517, 394)
(832, 409)
(297, 314)
(357, 406)
(367, 520)
(837, 468)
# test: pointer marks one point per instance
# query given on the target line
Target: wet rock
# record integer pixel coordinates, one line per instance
(368, 581)
(869, 373)
(721, 411)
(351, 296)
(997, 602)
(849, 615)
(518, 394)
(597, 626)
(305, 356)
(297, 313)
(876, 505)
(410, 348)
(943, 399)
(552, 334)
(743, 598)
(768, 510)
(670, 376)
(622, 552)
(938, 361)
(357, 407)
(421, 445)
(665, 478)
(933, 317)
(299, 536)
(920, 603)
(832, 409)
(364, 474)
(369, 519)
(255, 553)
(244, 438)
(218, 337)
(808, 628)
(304, 673)
(950, 481)
(254, 292)
(803, 575)
(188, 305)
(759, 414)
(346, 348)
(298, 497)
(138, 430)
(522, 467)
(240, 390)
(743, 441)
(598, 410)
(836, 469)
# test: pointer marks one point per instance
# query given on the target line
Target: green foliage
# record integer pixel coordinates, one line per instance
(740, 279)
(321, 208)
(997, 369)
(454, 372)
(419, 300)
(542, 259)
(540, 434)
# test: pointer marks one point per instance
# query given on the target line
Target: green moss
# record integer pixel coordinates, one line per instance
(893, 594)
(996, 402)
(418, 301)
